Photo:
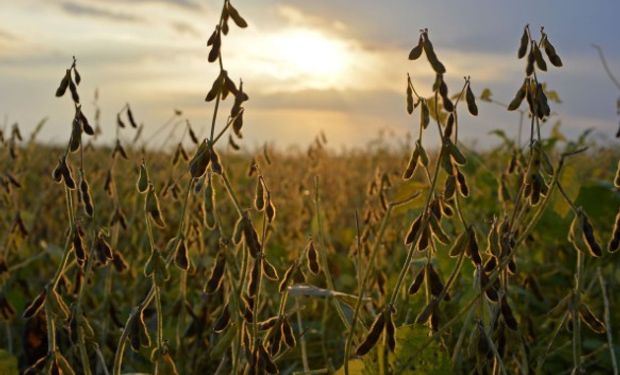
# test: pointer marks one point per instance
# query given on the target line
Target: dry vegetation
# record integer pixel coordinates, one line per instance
(429, 259)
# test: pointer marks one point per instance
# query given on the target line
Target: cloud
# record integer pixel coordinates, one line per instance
(7, 36)
(185, 28)
(79, 9)
(187, 4)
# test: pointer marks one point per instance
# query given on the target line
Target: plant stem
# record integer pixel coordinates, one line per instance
(362, 288)
(323, 254)
(607, 320)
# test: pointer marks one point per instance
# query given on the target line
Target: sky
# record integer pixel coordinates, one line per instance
(337, 66)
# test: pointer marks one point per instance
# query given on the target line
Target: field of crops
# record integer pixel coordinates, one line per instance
(426, 258)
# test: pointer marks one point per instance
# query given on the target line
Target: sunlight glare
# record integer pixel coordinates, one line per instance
(310, 55)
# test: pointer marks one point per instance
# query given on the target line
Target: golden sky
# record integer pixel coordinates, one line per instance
(307, 65)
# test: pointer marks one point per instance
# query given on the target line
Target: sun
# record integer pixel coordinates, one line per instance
(310, 55)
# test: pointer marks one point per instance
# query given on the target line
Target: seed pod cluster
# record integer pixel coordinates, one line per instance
(237, 111)
(425, 45)
(70, 82)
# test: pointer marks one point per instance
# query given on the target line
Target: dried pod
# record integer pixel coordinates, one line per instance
(143, 179)
(222, 322)
(76, 136)
(270, 209)
(35, 306)
(234, 14)
(437, 66)
(132, 121)
(64, 83)
(507, 314)
(373, 335)
(437, 231)
(417, 281)
(216, 167)
(181, 258)
(470, 99)
(251, 238)
(103, 250)
(210, 215)
(416, 52)
(525, 41)
(594, 323)
(200, 161)
(312, 257)
(152, 207)
(217, 274)
(412, 234)
(425, 117)
(410, 105)
(552, 54)
(57, 305)
(519, 96)
(269, 323)
(472, 247)
(538, 57)
(86, 197)
(413, 162)
(255, 275)
(460, 244)
(67, 176)
(287, 333)
(455, 154)
(238, 230)
(449, 187)
(462, 183)
(269, 270)
(390, 331)
(614, 243)
(435, 284)
(119, 262)
(425, 238)
(588, 237)
(78, 247)
(531, 59)
(259, 198)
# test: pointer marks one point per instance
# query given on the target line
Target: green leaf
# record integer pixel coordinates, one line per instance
(8, 363)
(356, 367)
(415, 355)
